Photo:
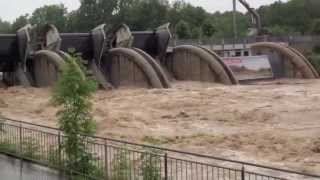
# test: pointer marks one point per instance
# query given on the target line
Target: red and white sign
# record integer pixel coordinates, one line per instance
(249, 67)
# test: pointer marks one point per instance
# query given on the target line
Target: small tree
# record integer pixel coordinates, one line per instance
(72, 93)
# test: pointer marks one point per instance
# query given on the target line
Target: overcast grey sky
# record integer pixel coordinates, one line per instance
(10, 9)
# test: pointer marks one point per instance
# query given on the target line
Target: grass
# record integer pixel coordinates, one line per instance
(145, 167)
(150, 165)
(54, 156)
(30, 149)
(122, 166)
(8, 147)
(27, 149)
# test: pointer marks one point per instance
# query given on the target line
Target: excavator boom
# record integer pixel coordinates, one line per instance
(256, 19)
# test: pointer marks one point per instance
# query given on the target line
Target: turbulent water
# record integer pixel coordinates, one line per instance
(271, 123)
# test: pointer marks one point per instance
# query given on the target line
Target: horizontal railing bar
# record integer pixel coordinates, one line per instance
(37, 130)
(204, 164)
(132, 150)
(262, 175)
(23, 122)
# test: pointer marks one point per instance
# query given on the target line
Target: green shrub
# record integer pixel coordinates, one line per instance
(30, 149)
(122, 166)
(54, 156)
(27, 148)
(150, 165)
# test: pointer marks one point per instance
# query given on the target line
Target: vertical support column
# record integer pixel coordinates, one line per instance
(20, 140)
(235, 29)
(106, 158)
(59, 150)
(20, 150)
(243, 172)
(59, 155)
(165, 166)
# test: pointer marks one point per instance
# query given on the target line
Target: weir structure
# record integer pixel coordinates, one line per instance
(117, 57)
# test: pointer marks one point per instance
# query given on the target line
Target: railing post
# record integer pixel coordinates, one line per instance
(59, 155)
(243, 172)
(106, 158)
(20, 140)
(59, 149)
(20, 149)
(165, 166)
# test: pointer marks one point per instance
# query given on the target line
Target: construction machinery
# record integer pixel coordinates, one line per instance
(256, 29)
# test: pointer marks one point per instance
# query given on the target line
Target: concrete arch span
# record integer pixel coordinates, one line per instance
(44, 68)
(199, 64)
(127, 67)
(288, 60)
(157, 67)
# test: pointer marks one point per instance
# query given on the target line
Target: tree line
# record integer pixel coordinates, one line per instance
(187, 21)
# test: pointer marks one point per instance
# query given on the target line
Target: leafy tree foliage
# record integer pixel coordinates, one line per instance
(53, 14)
(146, 14)
(4, 26)
(278, 30)
(224, 24)
(20, 22)
(208, 28)
(280, 18)
(297, 16)
(193, 17)
(72, 93)
(183, 30)
(316, 27)
(92, 13)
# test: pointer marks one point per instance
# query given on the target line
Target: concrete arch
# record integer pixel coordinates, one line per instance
(126, 67)
(45, 68)
(316, 74)
(299, 62)
(157, 67)
(96, 71)
(225, 67)
(199, 64)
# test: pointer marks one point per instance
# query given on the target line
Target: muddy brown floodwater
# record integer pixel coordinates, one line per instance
(272, 123)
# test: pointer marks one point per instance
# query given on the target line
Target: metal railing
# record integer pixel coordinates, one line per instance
(307, 40)
(121, 160)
